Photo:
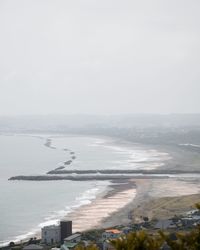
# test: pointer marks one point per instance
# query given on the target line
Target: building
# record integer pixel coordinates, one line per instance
(111, 234)
(65, 230)
(164, 224)
(56, 233)
(190, 221)
(74, 238)
(126, 230)
(51, 234)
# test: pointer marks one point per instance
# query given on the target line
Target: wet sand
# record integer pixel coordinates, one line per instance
(117, 196)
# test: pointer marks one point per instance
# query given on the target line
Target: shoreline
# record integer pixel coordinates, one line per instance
(97, 189)
(142, 189)
(113, 197)
(116, 196)
(113, 205)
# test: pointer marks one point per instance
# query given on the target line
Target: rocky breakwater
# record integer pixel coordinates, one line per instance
(85, 175)
(82, 177)
(124, 171)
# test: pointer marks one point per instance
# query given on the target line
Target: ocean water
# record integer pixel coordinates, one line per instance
(27, 206)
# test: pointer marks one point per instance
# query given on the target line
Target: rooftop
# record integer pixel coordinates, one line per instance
(164, 224)
(51, 227)
(114, 231)
(73, 236)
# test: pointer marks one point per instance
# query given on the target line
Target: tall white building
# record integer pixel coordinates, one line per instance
(51, 234)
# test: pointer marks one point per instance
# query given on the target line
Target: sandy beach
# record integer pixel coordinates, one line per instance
(159, 199)
(115, 198)
(155, 198)
(139, 197)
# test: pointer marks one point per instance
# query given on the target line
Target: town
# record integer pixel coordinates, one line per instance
(61, 236)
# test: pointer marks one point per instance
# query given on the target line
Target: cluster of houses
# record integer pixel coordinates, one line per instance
(56, 235)
(61, 235)
(189, 220)
(186, 222)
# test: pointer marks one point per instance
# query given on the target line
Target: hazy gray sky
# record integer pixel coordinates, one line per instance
(99, 56)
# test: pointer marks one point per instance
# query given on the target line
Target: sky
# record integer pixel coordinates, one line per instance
(99, 56)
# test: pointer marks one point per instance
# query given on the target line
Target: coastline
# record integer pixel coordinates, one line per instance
(112, 198)
(120, 198)
(125, 201)
(116, 196)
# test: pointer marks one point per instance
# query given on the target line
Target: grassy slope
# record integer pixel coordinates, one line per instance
(166, 207)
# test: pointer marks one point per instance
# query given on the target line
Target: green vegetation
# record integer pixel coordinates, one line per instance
(90, 247)
(138, 241)
(184, 241)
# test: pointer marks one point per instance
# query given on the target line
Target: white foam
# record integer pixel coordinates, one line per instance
(53, 219)
(193, 145)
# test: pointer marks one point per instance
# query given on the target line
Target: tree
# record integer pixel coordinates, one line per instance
(90, 247)
(137, 241)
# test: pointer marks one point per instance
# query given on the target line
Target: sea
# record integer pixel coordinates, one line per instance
(27, 206)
